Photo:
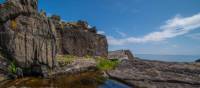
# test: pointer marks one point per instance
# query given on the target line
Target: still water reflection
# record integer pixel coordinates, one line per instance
(82, 80)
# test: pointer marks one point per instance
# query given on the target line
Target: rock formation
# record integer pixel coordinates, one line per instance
(31, 40)
(197, 60)
(121, 55)
(76, 38)
(27, 37)
(155, 74)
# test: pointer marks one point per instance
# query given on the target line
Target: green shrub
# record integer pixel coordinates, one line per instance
(105, 64)
(88, 57)
(12, 68)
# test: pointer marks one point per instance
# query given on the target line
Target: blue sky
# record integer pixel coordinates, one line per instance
(143, 26)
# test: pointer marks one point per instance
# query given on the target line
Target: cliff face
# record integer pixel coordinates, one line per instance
(32, 40)
(76, 38)
(27, 37)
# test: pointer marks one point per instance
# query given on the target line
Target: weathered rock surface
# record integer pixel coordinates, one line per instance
(3, 68)
(13, 8)
(27, 37)
(155, 74)
(76, 38)
(121, 55)
(80, 64)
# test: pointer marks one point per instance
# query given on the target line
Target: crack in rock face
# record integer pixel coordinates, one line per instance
(26, 37)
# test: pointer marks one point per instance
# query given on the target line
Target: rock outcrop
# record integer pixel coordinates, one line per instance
(155, 74)
(76, 38)
(121, 55)
(197, 60)
(27, 37)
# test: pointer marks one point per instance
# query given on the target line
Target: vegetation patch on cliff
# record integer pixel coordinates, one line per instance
(105, 64)
(64, 60)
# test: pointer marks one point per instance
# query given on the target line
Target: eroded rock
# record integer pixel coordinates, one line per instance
(77, 38)
(27, 37)
(121, 55)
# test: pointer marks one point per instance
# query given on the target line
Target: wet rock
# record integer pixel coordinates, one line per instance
(155, 74)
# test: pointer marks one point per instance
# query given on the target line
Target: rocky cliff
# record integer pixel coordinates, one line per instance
(30, 39)
(27, 37)
(77, 38)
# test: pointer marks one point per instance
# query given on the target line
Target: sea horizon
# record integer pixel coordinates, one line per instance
(168, 57)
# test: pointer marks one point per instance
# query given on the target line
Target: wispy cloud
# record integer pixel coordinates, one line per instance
(121, 33)
(173, 27)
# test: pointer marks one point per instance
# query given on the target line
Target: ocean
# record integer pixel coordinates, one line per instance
(169, 58)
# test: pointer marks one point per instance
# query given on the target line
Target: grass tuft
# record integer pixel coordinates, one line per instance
(105, 64)
(64, 60)
(12, 68)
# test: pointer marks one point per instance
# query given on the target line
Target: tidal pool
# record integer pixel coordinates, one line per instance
(81, 80)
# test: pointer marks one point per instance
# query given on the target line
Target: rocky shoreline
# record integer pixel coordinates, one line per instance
(31, 43)
(156, 74)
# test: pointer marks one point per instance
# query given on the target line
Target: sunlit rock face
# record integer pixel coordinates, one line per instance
(121, 55)
(77, 38)
(26, 36)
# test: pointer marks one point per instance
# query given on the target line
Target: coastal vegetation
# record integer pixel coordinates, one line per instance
(64, 60)
(102, 63)
(105, 64)
(12, 68)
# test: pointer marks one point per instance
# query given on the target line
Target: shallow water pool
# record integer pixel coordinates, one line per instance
(81, 80)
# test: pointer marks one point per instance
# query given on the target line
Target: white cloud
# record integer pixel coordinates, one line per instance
(100, 32)
(173, 27)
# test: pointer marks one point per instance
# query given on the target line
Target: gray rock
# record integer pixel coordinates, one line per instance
(19, 72)
(76, 38)
(197, 60)
(13, 8)
(121, 55)
(155, 74)
(26, 36)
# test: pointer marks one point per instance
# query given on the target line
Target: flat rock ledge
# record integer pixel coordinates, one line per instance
(79, 65)
(155, 74)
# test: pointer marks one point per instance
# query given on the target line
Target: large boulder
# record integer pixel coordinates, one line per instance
(77, 38)
(27, 37)
(121, 55)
